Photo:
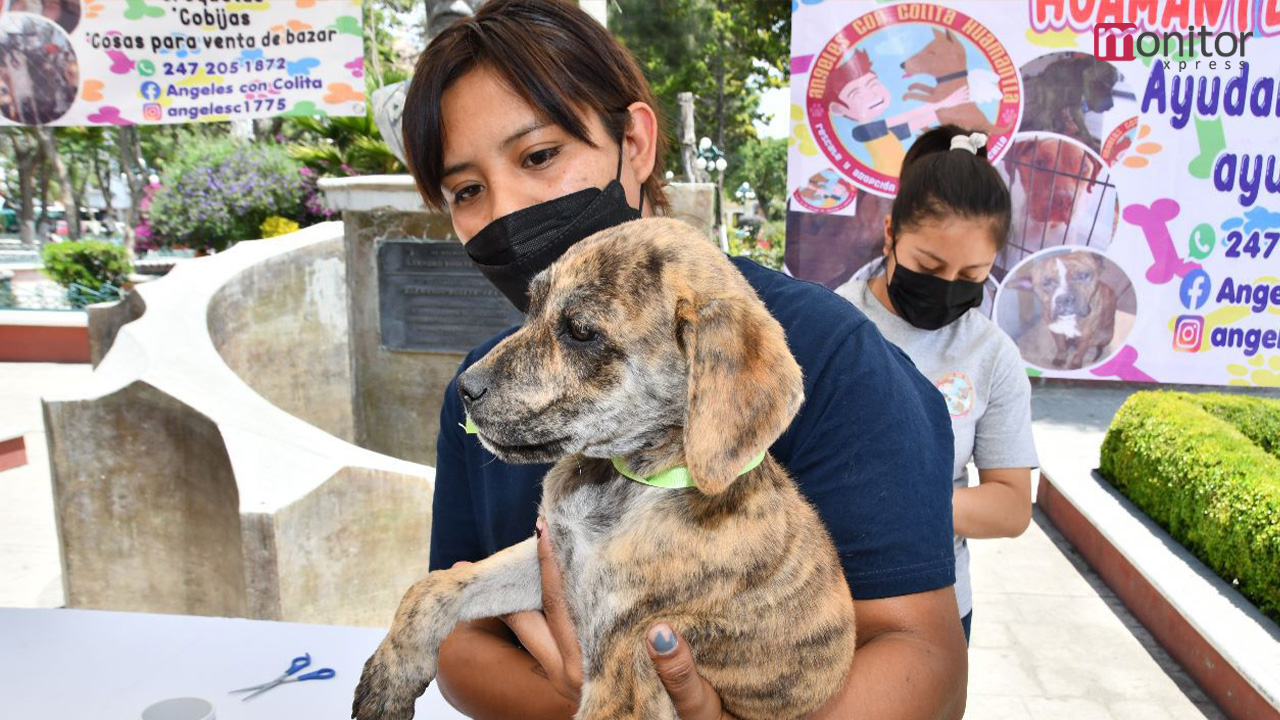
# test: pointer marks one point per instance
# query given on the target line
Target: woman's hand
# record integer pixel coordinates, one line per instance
(693, 696)
(549, 635)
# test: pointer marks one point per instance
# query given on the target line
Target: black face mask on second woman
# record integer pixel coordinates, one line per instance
(513, 249)
(929, 302)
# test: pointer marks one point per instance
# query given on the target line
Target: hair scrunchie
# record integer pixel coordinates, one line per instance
(972, 142)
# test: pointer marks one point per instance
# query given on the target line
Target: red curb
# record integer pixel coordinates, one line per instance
(13, 453)
(1218, 678)
(37, 343)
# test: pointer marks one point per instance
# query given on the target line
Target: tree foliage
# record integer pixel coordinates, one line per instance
(724, 52)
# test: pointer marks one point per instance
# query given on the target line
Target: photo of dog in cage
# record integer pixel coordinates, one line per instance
(1076, 95)
(39, 73)
(1067, 308)
(1062, 194)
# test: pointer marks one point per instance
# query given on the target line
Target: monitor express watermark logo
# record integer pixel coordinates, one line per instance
(1122, 41)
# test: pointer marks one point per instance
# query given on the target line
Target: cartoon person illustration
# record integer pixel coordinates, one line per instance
(864, 99)
(825, 190)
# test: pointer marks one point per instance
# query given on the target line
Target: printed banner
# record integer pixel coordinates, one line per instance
(126, 62)
(1138, 140)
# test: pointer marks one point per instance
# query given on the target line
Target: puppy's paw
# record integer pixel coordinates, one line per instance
(389, 687)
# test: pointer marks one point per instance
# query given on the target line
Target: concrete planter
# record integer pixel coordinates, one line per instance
(1229, 648)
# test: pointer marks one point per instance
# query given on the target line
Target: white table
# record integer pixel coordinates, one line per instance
(95, 665)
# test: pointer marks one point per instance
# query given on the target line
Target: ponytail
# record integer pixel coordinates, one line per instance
(946, 173)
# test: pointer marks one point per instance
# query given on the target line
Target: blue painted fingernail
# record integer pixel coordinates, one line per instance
(663, 640)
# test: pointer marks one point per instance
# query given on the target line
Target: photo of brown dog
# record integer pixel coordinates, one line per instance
(1076, 95)
(645, 348)
(1061, 193)
(837, 244)
(1067, 308)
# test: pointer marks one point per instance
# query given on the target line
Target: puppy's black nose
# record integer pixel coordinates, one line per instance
(473, 385)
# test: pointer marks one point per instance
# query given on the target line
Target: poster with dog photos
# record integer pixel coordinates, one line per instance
(137, 62)
(1138, 140)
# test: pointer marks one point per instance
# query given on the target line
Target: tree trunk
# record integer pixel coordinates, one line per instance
(720, 79)
(43, 222)
(102, 177)
(49, 147)
(27, 187)
(131, 163)
(25, 150)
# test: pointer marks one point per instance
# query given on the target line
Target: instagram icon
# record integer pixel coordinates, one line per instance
(1187, 333)
(152, 112)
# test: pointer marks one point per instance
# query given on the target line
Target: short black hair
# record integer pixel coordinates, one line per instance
(552, 54)
(937, 181)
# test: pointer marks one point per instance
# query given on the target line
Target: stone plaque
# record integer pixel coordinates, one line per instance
(432, 299)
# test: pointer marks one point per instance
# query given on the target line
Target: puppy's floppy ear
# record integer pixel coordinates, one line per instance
(744, 387)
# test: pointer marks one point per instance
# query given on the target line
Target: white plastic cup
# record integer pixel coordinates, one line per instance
(180, 709)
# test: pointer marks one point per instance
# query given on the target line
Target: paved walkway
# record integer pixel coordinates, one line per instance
(1049, 639)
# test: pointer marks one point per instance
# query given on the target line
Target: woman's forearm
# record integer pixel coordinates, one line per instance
(999, 506)
(486, 676)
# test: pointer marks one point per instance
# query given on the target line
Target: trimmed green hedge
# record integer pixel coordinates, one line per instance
(1257, 418)
(1204, 468)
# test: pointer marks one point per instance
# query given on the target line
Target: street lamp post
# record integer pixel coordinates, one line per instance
(710, 157)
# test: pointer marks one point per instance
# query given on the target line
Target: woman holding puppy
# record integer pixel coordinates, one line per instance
(948, 222)
(535, 128)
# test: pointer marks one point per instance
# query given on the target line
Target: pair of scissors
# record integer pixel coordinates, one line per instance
(298, 664)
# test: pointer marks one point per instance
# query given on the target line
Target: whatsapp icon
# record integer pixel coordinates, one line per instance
(146, 68)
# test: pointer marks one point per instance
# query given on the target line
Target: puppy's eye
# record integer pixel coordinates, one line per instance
(581, 332)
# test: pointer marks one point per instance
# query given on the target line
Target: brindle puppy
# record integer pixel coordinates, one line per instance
(645, 343)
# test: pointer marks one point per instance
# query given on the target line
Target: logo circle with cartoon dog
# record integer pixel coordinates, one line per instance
(957, 389)
(895, 72)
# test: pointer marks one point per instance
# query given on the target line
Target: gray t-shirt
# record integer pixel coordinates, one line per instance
(980, 372)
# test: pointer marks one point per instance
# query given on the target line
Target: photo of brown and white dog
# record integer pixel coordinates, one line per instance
(644, 343)
(1066, 308)
(1076, 306)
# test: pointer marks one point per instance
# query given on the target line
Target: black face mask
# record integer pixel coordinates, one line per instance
(513, 249)
(929, 302)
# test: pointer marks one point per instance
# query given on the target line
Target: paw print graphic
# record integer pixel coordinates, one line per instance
(1259, 372)
(800, 132)
(1143, 150)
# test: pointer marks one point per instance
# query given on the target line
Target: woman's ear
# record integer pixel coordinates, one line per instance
(641, 141)
(888, 235)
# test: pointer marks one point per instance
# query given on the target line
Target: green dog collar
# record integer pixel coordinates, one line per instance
(671, 478)
(676, 477)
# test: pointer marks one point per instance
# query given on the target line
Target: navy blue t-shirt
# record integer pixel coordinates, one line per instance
(870, 448)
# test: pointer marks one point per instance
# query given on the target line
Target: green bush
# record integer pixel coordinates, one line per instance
(764, 244)
(214, 194)
(1186, 463)
(88, 263)
(1257, 418)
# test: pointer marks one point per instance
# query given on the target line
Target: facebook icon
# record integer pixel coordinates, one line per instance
(150, 90)
(1195, 289)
